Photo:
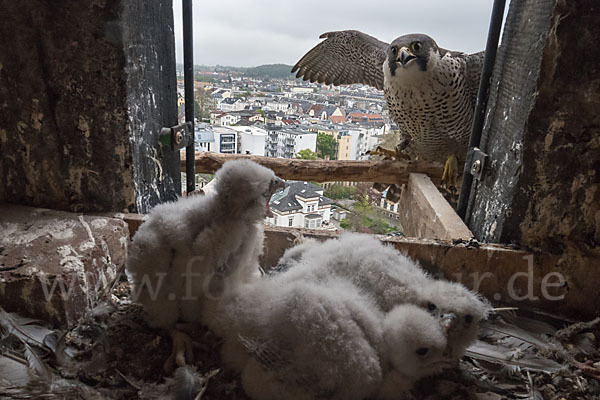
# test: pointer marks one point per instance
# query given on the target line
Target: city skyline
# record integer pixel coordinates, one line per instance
(245, 34)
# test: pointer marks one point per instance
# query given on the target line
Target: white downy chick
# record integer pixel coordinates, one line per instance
(301, 340)
(459, 311)
(293, 256)
(414, 347)
(188, 254)
(392, 279)
(380, 270)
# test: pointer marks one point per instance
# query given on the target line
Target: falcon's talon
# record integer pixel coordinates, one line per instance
(450, 174)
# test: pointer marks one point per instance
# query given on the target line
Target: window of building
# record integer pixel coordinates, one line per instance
(291, 221)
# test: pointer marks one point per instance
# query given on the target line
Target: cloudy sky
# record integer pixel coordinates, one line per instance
(249, 33)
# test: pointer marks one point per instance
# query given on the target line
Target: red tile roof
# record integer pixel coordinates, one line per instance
(338, 119)
(365, 117)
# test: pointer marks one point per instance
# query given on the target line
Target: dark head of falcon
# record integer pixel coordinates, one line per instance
(411, 50)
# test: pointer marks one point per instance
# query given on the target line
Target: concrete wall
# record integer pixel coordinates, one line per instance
(84, 88)
(306, 141)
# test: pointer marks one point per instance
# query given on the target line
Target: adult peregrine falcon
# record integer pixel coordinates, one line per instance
(430, 91)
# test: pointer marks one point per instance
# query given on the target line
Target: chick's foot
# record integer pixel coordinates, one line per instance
(182, 352)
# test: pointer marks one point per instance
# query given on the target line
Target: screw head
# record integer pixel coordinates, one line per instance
(476, 167)
(178, 137)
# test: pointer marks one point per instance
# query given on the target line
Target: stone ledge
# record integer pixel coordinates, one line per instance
(55, 264)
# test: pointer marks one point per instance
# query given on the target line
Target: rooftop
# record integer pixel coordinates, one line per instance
(286, 199)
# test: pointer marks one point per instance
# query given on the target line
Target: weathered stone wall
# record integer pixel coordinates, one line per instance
(82, 93)
(56, 265)
(543, 131)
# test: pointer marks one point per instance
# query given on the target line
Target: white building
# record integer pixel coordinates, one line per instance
(225, 140)
(301, 205)
(204, 138)
(287, 142)
(252, 139)
(218, 139)
(388, 207)
(231, 104)
(277, 105)
(301, 89)
(224, 119)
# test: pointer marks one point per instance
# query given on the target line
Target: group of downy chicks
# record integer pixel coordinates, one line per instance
(347, 318)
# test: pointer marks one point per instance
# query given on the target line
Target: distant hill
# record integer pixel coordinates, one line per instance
(271, 71)
(276, 71)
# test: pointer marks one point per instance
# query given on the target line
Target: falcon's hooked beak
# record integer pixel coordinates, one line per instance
(405, 56)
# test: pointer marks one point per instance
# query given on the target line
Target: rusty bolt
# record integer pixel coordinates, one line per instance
(178, 137)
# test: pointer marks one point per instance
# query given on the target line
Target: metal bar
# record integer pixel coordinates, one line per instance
(491, 49)
(188, 77)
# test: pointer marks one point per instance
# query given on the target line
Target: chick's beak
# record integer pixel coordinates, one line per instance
(448, 322)
(405, 55)
(277, 184)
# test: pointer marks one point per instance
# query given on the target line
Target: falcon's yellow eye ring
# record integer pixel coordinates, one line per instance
(416, 46)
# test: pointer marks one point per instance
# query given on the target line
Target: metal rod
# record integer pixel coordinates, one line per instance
(491, 49)
(188, 79)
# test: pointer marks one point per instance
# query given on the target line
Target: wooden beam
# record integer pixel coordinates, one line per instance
(386, 171)
(424, 213)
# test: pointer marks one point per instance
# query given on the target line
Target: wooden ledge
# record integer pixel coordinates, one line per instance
(386, 171)
(424, 212)
(502, 274)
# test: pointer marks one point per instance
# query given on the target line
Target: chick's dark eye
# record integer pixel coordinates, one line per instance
(468, 318)
(431, 307)
(395, 50)
(421, 351)
(416, 46)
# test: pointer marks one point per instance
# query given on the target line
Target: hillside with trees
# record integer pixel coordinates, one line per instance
(273, 71)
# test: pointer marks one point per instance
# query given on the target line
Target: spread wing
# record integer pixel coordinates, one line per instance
(344, 57)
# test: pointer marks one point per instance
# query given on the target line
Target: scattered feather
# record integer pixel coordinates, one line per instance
(14, 372)
(505, 356)
(26, 329)
(186, 384)
(36, 364)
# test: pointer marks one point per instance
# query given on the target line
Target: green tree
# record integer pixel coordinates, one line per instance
(306, 154)
(325, 145)
(365, 219)
(205, 103)
(344, 223)
(338, 191)
(277, 71)
(204, 78)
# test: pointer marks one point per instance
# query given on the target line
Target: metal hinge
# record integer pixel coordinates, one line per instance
(478, 162)
(177, 137)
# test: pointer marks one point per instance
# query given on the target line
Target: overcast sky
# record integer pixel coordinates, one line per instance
(248, 33)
